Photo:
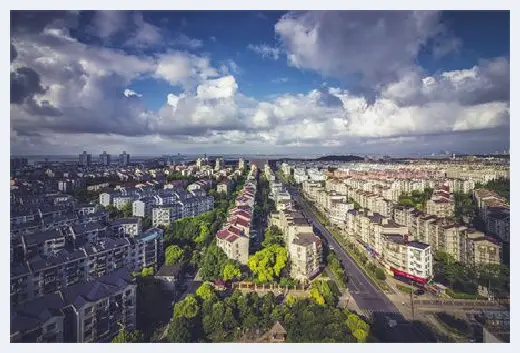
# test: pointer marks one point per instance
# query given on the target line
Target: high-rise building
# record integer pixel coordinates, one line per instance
(219, 163)
(85, 159)
(104, 159)
(18, 163)
(241, 163)
(124, 159)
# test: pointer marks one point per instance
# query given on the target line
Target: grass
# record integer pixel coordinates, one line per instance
(404, 289)
(459, 295)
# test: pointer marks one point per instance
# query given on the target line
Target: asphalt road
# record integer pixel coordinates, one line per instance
(368, 297)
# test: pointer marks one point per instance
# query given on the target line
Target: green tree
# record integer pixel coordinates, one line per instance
(360, 335)
(206, 292)
(204, 234)
(188, 308)
(380, 274)
(290, 301)
(268, 263)
(173, 255)
(317, 296)
(273, 236)
(231, 271)
(213, 263)
(180, 330)
(134, 336)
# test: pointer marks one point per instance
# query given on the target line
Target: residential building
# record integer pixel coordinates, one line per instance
(165, 215)
(124, 159)
(241, 163)
(85, 160)
(94, 311)
(409, 259)
(104, 159)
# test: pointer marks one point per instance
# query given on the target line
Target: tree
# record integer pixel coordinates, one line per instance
(268, 263)
(213, 263)
(180, 330)
(273, 236)
(290, 301)
(173, 255)
(360, 335)
(134, 336)
(204, 234)
(231, 271)
(380, 274)
(352, 322)
(206, 292)
(316, 295)
(188, 308)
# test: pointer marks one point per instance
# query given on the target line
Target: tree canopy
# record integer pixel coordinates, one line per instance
(187, 308)
(231, 271)
(268, 263)
(206, 292)
(173, 255)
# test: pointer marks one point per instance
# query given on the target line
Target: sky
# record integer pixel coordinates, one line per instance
(259, 82)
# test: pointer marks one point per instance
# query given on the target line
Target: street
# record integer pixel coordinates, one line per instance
(369, 298)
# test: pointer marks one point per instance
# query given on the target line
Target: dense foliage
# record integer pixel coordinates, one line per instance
(213, 263)
(466, 279)
(134, 336)
(415, 199)
(273, 236)
(174, 254)
(465, 206)
(246, 317)
(335, 267)
(324, 293)
(267, 264)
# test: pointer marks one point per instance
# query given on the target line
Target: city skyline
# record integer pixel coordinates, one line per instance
(310, 82)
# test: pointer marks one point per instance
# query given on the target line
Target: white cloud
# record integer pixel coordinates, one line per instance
(338, 43)
(265, 51)
(224, 87)
(182, 69)
(78, 97)
(131, 93)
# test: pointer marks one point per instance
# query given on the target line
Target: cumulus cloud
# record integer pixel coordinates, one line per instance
(183, 69)
(265, 51)
(66, 93)
(376, 44)
(224, 87)
(131, 93)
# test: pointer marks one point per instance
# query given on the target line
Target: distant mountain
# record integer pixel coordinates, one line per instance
(347, 158)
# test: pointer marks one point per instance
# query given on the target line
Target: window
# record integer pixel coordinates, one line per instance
(88, 310)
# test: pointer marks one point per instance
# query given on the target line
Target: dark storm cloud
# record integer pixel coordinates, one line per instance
(36, 21)
(25, 83)
(14, 53)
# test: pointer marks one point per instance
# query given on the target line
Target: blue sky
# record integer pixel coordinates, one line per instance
(267, 81)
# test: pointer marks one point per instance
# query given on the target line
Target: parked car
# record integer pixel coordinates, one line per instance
(419, 292)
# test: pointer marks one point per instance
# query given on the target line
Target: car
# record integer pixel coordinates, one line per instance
(419, 292)
(331, 247)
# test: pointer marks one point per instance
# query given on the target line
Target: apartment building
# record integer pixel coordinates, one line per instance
(166, 215)
(234, 242)
(409, 259)
(36, 272)
(495, 212)
(481, 249)
(94, 311)
(235, 235)
(305, 254)
(127, 226)
(441, 204)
